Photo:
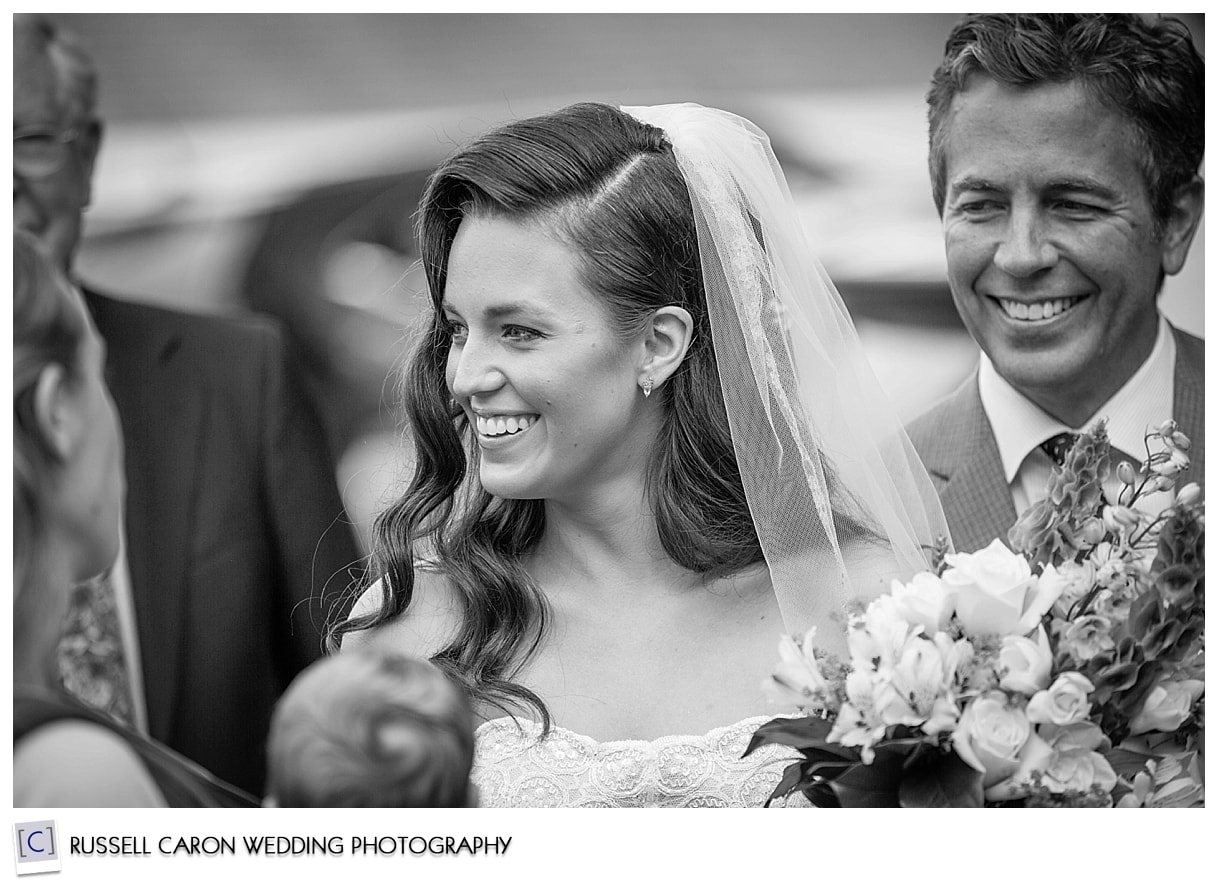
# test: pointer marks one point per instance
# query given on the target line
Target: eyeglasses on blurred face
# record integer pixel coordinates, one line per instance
(38, 152)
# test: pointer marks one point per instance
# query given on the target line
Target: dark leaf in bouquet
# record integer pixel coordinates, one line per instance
(798, 732)
(792, 776)
(876, 785)
(1115, 670)
(1127, 763)
(1130, 700)
(1144, 613)
(821, 795)
(942, 781)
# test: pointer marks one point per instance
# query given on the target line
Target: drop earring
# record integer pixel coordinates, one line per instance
(647, 386)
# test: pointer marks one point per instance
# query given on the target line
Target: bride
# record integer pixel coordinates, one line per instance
(648, 443)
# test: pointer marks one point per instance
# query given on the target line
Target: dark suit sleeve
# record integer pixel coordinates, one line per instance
(312, 536)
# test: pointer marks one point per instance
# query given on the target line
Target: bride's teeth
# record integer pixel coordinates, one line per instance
(1036, 311)
(493, 426)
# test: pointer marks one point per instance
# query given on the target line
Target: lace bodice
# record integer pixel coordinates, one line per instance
(514, 768)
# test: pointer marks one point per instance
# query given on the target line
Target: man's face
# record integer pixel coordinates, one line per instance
(1052, 251)
(50, 206)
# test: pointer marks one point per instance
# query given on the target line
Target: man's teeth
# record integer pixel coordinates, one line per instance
(1037, 311)
(503, 425)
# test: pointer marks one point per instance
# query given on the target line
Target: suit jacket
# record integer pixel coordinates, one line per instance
(956, 442)
(237, 542)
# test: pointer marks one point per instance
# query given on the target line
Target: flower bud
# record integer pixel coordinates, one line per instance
(1168, 469)
(1126, 473)
(1180, 441)
(1093, 531)
(1123, 517)
(1167, 427)
(1164, 483)
(1189, 494)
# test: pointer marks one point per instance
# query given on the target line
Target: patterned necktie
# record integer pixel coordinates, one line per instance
(1058, 446)
(92, 661)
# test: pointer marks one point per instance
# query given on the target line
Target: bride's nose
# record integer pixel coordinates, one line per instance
(472, 370)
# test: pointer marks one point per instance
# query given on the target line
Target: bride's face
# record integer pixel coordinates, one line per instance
(551, 390)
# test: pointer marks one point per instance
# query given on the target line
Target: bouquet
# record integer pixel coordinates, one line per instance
(1068, 671)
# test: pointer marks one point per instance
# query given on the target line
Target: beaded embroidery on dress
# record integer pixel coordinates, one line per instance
(513, 767)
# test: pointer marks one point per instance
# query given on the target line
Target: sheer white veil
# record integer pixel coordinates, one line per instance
(839, 499)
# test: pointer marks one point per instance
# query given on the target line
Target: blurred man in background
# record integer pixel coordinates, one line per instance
(236, 544)
(1064, 157)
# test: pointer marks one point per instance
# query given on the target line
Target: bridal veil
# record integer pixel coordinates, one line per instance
(839, 499)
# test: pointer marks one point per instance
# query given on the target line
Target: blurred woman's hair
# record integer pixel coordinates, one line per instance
(48, 329)
(608, 186)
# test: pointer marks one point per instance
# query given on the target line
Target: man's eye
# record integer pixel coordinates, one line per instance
(977, 206)
(1074, 207)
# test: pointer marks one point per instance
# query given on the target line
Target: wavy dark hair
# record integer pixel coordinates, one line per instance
(1147, 70)
(608, 186)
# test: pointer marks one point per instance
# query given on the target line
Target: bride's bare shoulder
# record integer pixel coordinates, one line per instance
(427, 626)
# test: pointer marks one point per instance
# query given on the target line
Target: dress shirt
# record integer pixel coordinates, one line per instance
(1020, 426)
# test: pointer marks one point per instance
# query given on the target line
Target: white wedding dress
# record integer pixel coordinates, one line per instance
(514, 767)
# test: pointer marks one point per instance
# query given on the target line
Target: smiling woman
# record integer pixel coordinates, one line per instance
(627, 439)
(534, 345)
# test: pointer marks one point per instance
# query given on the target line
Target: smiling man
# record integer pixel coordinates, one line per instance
(1064, 159)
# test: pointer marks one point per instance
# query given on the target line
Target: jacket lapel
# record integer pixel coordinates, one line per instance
(163, 418)
(974, 492)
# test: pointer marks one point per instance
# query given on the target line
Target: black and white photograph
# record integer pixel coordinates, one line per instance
(498, 411)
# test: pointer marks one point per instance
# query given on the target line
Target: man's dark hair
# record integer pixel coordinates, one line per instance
(1146, 69)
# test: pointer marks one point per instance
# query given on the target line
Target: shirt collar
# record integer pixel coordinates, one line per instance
(1143, 402)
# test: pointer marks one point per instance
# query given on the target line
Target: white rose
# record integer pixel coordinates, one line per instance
(1024, 665)
(1167, 706)
(996, 592)
(991, 735)
(925, 601)
(1064, 703)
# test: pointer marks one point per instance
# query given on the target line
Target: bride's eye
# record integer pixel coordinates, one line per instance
(456, 332)
(521, 334)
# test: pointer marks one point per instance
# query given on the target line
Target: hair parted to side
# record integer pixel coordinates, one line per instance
(48, 329)
(607, 185)
(371, 730)
(75, 72)
(1148, 70)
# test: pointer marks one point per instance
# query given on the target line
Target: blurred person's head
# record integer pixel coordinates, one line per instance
(67, 451)
(56, 134)
(1064, 159)
(373, 730)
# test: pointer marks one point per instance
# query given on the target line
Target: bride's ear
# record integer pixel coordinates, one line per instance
(667, 339)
